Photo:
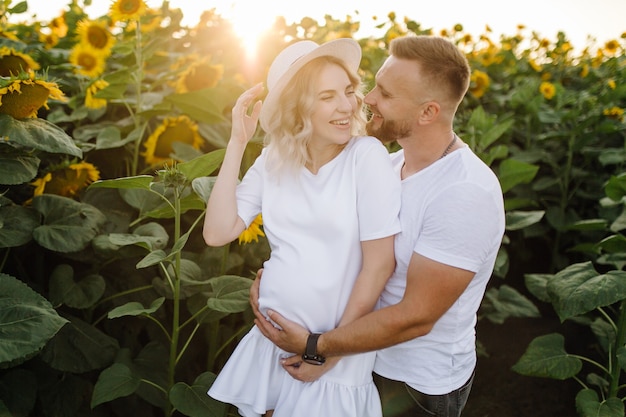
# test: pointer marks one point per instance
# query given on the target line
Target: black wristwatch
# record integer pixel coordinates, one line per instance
(310, 355)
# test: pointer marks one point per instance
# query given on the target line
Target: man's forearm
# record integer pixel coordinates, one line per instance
(376, 330)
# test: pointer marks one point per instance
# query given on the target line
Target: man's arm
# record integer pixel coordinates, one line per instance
(431, 289)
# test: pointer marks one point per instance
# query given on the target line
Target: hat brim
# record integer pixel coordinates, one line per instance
(345, 49)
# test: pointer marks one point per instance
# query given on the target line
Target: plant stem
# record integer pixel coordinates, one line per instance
(620, 340)
(176, 301)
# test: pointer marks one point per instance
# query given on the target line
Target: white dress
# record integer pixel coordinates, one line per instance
(314, 224)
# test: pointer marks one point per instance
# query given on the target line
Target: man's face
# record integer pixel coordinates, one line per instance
(394, 100)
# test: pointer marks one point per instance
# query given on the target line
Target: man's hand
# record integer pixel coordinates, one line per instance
(305, 372)
(292, 338)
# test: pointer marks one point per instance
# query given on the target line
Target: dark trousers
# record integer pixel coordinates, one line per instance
(400, 400)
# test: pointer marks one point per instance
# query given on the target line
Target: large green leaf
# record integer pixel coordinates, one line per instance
(68, 225)
(513, 172)
(193, 400)
(135, 308)
(17, 224)
(546, 357)
(205, 106)
(114, 382)
(588, 405)
(37, 134)
(504, 302)
(18, 169)
(516, 220)
(230, 293)
(80, 294)
(203, 165)
(80, 347)
(27, 321)
(579, 289)
(150, 236)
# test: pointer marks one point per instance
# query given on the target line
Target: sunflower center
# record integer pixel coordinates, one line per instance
(97, 37)
(176, 133)
(204, 76)
(87, 61)
(11, 64)
(129, 6)
(24, 104)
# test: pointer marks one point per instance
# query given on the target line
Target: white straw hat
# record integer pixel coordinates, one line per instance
(291, 59)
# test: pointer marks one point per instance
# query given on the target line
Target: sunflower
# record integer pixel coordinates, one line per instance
(67, 179)
(12, 62)
(150, 21)
(58, 26)
(22, 97)
(91, 101)
(615, 112)
(5, 34)
(49, 40)
(479, 83)
(88, 61)
(253, 231)
(95, 34)
(158, 146)
(547, 89)
(199, 75)
(124, 10)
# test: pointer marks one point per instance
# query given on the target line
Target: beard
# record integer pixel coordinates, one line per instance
(389, 130)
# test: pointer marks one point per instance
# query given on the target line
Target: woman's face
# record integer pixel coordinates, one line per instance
(334, 105)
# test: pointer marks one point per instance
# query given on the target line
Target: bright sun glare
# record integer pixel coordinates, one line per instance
(250, 20)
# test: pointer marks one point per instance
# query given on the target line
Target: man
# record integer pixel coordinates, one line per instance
(452, 219)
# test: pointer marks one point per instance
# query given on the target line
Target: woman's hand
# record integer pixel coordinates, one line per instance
(243, 122)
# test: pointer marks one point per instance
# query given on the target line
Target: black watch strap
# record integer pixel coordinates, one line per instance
(310, 353)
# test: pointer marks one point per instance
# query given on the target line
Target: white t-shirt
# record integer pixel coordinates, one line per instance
(315, 223)
(452, 212)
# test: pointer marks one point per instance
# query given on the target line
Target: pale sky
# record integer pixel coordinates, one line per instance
(600, 19)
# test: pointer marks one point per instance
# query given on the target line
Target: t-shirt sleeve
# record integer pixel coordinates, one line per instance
(378, 192)
(462, 225)
(249, 191)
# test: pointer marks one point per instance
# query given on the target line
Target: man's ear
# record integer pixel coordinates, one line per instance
(429, 113)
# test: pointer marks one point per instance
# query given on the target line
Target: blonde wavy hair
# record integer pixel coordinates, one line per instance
(290, 129)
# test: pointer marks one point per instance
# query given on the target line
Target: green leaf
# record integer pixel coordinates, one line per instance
(17, 224)
(537, 284)
(139, 182)
(69, 226)
(18, 169)
(114, 382)
(230, 293)
(193, 400)
(80, 347)
(615, 188)
(134, 308)
(588, 225)
(513, 172)
(27, 321)
(504, 302)
(37, 134)
(202, 166)
(579, 289)
(546, 357)
(82, 294)
(199, 105)
(150, 236)
(516, 220)
(153, 258)
(588, 405)
(203, 186)
(613, 244)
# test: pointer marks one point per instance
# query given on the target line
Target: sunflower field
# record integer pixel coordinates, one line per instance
(113, 128)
